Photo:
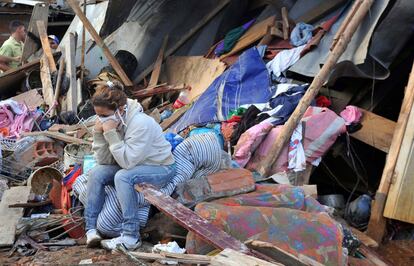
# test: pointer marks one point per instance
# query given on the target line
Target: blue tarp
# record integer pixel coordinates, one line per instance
(245, 82)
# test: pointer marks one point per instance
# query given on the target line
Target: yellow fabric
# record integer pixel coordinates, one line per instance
(12, 48)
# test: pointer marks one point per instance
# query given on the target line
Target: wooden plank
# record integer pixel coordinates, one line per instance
(181, 258)
(252, 35)
(196, 71)
(40, 12)
(58, 85)
(193, 222)
(89, 27)
(376, 131)
(229, 257)
(366, 240)
(377, 223)
(373, 257)
(11, 216)
(57, 127)
(285, 23)
(266, 164)
(281, 255)
(70, 59)
(56, 135)
(174, 117)
(159, 90)
(191, 32)
(158, 63)
(320, 11)
(41, 28)
(400, 200)
(46, 78)
(31, 98)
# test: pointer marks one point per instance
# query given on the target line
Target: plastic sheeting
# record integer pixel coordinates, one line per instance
(355, 54)
(245, 82)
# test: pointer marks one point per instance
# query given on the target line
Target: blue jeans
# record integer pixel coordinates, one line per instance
(124, 181)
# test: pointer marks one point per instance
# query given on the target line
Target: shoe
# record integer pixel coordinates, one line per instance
(129, 243)
(93, 239)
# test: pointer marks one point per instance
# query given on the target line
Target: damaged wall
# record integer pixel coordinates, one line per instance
(149, 22)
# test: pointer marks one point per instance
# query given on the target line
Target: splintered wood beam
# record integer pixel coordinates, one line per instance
(56, 135)
(281, 255)
(46, 79)
(194, 222)
(376, 131)
(70, 59)
(58, 85)
(157, 90)
(41, 27)
(89, 27)
(285, 21)
(158, 63)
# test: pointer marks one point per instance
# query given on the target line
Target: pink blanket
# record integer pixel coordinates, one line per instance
(16, 118)
(322, 128)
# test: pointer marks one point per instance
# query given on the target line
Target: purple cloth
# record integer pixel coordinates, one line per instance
(16, 117)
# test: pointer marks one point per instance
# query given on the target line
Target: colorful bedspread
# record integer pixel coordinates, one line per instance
(278, 214)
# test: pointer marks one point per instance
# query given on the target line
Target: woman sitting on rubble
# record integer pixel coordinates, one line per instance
(130, 149)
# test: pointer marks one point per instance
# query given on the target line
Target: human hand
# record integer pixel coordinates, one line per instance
(16, 59)
(110, 124)
(98, 126)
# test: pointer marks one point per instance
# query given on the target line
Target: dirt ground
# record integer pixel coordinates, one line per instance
(399, 253)
(71, 256)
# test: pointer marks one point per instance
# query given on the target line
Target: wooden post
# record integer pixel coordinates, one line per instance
(158, 63)
(377, 222)
(70, 55)
(58, 84)
(313, 90)
(114, 63)
(45, 77)
(285, 21)
(83, 45)
(41, 27)
(40, 12)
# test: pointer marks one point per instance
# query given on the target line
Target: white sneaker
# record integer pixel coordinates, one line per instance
(93, 239)
(130, 243)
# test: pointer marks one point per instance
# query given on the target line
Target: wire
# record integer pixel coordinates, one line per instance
(331, 174)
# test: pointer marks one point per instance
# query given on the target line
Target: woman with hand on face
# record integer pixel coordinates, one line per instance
(130, 149)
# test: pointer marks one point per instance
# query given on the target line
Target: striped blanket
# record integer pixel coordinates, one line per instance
(197, 156)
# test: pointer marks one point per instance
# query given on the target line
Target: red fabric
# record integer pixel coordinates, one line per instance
(74, 229)
(322, 101)
(234, 118)
(318, 33)
(275, 46)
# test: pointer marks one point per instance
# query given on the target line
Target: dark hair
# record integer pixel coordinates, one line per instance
(109, 97)
(14, 25)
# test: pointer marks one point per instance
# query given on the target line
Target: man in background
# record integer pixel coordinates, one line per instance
(53, 42)
(13, 47)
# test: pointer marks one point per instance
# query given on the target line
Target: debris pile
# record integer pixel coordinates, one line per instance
(275, 154)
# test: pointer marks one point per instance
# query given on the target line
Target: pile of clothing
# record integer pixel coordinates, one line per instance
(16, 118)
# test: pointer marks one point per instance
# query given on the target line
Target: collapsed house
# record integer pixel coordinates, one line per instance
(310, 103)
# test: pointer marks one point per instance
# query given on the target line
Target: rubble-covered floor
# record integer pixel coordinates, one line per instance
(398, 252)
(70, 256)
